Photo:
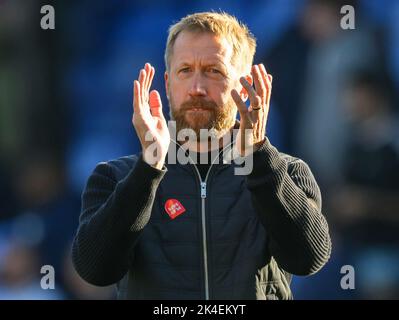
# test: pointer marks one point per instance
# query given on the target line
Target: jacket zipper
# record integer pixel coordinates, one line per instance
(203, 227)
(204, 242)
(203, 195)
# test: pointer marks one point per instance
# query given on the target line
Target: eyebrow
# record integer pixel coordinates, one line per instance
(211, 64)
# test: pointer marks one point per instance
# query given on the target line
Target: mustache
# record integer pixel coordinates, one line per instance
(198, 103)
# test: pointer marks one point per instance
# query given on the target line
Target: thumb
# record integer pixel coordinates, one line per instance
(242, 108)
(155, 104)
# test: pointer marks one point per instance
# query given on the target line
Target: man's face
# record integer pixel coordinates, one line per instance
(199, 83)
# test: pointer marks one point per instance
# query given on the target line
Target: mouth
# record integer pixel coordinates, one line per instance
(198, 109)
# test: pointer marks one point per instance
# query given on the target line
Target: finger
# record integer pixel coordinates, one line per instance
(259, 83)
(251, 93)
(155, 104)
(267, 78)
(150, 78)
(261, 119)
(142, 77)
(264, 74)
(148, 70)
(242, 108)
(257, 116)
(269, 91)
(136, 97)
(256, 105)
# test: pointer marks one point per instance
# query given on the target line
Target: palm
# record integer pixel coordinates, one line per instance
(245, 137)
(148, 119)
(253, 119)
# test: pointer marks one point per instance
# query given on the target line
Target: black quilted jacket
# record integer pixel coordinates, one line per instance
(165, 234)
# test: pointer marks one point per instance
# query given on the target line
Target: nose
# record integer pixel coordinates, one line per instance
(197, 86)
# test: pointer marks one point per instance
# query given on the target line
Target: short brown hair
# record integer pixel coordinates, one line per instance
(220, 24)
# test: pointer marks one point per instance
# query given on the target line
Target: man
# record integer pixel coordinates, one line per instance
(161, 229)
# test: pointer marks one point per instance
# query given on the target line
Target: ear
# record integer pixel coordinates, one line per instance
(166, 77)
(243, 92)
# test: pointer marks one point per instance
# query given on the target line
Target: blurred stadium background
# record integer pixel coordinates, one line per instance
(65, 104)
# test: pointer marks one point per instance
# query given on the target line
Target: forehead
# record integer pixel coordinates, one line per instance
(191, 47)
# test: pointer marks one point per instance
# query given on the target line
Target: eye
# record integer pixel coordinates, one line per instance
(214, 70)
(184, 70)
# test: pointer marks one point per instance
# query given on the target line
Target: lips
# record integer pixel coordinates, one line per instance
(198, 109)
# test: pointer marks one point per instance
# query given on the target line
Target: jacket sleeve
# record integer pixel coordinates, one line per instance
(288, 201)
(112, 217)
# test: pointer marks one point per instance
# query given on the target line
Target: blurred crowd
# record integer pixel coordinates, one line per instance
(65, 105)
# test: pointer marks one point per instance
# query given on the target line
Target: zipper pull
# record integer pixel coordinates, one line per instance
(203, 189)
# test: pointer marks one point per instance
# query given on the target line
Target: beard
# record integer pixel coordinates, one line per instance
(198, 113)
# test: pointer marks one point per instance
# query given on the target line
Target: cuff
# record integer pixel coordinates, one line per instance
(144, 174)
(266, 160)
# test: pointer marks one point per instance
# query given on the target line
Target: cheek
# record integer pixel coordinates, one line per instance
(220, 94)
(176, 95)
